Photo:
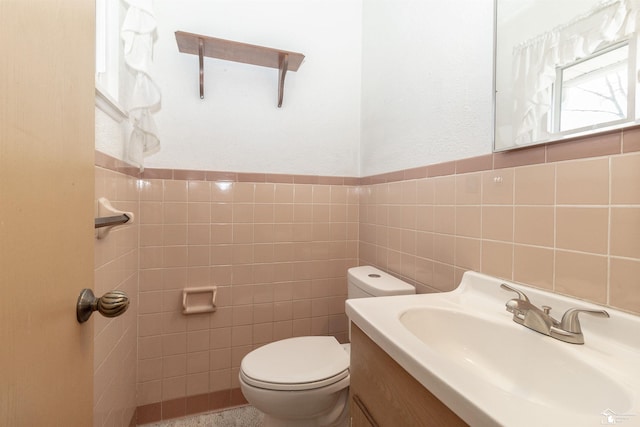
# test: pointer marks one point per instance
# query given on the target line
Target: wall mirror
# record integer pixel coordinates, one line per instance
(564, 68)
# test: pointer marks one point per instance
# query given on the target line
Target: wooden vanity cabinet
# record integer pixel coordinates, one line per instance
(383, 394)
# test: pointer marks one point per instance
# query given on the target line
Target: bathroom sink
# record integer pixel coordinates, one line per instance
(495, 352)
(465, 348)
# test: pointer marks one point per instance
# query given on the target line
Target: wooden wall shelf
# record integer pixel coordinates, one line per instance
(228, 50)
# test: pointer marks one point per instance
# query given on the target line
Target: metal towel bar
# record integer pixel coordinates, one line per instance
(107, 221)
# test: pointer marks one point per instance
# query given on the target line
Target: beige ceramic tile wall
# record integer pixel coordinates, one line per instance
(572, 227)
(278, 254)
(116, 267)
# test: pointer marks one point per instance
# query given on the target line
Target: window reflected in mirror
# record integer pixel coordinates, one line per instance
(563, 68)
(594, 91)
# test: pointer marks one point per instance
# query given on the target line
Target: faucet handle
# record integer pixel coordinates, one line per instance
(571, 323)
(521, 294)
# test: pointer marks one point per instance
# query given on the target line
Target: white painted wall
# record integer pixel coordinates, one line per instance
(426, 82)
(386, 85)
(238, 127)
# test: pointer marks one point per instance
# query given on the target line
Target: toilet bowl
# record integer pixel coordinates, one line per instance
(304, 381)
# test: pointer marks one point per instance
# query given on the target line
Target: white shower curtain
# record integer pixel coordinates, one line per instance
(137, 32)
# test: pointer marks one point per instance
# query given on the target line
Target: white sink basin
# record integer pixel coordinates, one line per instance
(465, 348)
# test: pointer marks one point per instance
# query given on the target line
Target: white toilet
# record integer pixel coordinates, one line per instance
(304, 381)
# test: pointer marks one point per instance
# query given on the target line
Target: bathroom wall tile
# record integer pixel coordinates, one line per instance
(283, 193)
(149, 370)
(444, 219)
(630, 140)
(583, 182)
(199, 403)
(320, 325)
(198, 212)
(468, 189)
(497, 259)
(581, 275)
(174, 234)
(175, 191)
(445, 190)
(443, 277)
(151, 212)
(509, 159)
(219, 380)
(624, 291)
(625, 175)
(534, 225)
(148, 393)
(243, 192)
(625, 232)
(242, 315)
(424, 245)
(198, 384)
(441, 169)
(468, 253)
(175, 213)
(198, 191)
(198, 234)
(533, 266)
(593, 146)
(222, 191)
(582, 229)
(444, 248)
(149, 324)
(174, 344)
(149, 347)
(197, 341)
(151, 235)
(151, 190)
(474, 164)
(468, 221)
(264, 193)
(174, 366)
(498, 187)
(198, 362)
(425, 191)
(535, 185)
(173, 278)
(338, 212)
(424, 271)
(150, 302)
(408, 191)
(394, 193)
(321, 194)
(172, 305)
(497, 223)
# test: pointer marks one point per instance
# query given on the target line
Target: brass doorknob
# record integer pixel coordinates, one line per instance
(111, 304)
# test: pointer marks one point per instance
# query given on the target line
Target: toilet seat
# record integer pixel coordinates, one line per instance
(301, 363)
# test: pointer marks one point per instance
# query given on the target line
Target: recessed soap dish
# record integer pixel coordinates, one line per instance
(199, 300)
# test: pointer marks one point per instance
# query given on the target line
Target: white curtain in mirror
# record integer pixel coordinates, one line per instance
(535, 61)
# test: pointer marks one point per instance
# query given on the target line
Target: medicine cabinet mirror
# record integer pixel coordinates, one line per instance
(564, 68)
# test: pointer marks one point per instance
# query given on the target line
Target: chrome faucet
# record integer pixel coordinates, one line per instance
(540, 320)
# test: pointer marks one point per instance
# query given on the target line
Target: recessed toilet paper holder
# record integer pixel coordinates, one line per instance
(199, 300)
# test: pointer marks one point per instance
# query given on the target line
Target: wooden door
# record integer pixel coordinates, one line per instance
(46, 210)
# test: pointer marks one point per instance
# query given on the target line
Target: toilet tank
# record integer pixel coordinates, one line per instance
(367, 281)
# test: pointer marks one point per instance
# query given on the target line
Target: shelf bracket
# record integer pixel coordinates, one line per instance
(201, 55)
(283, 65)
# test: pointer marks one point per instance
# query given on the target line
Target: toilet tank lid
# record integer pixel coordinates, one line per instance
(378, 283)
